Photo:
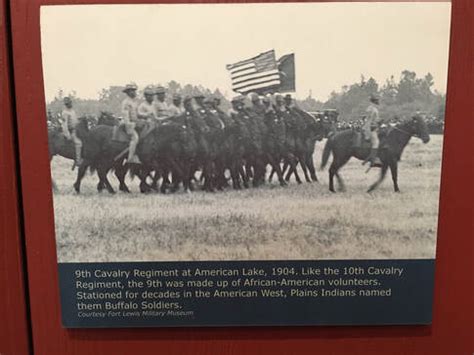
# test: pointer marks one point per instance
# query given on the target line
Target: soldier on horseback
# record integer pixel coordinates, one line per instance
(69, 128)
(161, 106)
(371, 130)
(147, 110)
(175, 109)
(130, 117)
(228, 122)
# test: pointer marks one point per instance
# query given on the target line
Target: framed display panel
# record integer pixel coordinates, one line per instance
(39, 227)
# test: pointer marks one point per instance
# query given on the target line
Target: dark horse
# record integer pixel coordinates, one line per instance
(98, 153)
(341, 145)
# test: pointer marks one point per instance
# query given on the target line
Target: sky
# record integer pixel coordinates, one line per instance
(89, 47)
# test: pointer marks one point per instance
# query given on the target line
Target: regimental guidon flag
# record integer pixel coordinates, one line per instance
(258, 74)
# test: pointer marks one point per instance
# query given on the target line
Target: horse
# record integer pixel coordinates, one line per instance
(341, 145)
(99, 153)
(170, 147)
(316, 130)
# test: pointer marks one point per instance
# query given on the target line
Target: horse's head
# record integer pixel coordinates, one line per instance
(83, 125)
(420, 128)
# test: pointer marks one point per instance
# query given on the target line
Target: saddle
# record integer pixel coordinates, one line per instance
(360, 141)
(120, 134)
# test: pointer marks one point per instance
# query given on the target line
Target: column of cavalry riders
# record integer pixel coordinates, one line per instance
(193, 133)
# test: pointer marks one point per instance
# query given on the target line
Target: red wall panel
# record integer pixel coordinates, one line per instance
(452, 327)
(14, 335)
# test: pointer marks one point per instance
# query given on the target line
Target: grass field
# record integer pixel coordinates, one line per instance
(297, 222)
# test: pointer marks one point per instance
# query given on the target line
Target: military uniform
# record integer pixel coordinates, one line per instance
(162, 110)
(370, 130)
(130, 111)
(70, 122)
(147, 111)
(372, 122)
(130, 117)
(276, 131)
(175, 110)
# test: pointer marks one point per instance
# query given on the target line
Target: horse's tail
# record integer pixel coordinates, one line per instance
(326, 153)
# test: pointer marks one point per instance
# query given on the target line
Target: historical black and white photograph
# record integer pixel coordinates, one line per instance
(285, 131)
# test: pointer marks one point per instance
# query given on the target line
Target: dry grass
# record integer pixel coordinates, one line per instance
(297, 222)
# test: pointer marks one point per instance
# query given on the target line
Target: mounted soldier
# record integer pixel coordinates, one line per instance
(194, 119)
(69, 128)
(161, 106)
(147, 109)
(228, 122)
(130, 117)
(175, 109)
(212, 117)
(370, 130)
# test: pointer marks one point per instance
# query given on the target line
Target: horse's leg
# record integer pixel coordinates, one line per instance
(394, 171)
(289, 167)
(332, 171)
(243, 174)
(270, 177)
(302, 159)
(310, 164)
(154, 181)
(177, 174)
(80, 175)
(166, 181)
(102, 172)
(108, 186)
(383, 172)
(120, 172)
(259, 168)
(234, 174)
(293, 163)
(274, 163)
(208, 176)
(340, 162)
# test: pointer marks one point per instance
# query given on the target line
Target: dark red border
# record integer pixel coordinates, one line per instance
(452, 326)
(14, 329)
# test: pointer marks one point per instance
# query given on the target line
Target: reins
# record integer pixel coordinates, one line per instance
(407, 133)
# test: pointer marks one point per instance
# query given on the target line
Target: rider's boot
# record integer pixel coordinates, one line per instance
(375, 161)
(132, 157)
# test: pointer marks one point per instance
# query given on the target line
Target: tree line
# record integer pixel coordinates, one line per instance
(399, 98)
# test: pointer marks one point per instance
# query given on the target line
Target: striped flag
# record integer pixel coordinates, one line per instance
(255, 74)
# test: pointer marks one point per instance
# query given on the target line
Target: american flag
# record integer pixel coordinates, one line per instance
(255, 74)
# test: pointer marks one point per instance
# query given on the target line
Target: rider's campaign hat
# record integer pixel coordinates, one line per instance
(149, 90)
(160, 90)
(130, 87)
(67, 100)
